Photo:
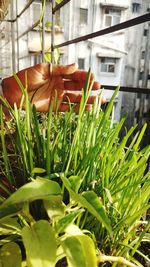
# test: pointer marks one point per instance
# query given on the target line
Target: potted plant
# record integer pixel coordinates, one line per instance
(72, 193)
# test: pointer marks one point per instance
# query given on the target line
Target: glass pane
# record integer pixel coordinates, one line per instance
(135, 7)
(115, 12)
(108, 20)
(83, 16)
(81, 62)
(107, 10)
(111, 68)
(103, 60)
(103, 67)
(143, 55)
(112, 60)
(109, 60)
(116, 20)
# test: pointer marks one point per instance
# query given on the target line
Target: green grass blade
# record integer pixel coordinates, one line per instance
(8, 168)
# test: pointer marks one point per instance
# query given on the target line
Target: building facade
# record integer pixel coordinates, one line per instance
(104, 54)
(137, 66)
(116, 59)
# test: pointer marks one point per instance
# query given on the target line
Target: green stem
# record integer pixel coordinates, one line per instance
(121, 260)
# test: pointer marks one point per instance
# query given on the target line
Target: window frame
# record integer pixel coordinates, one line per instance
(81, 22)
(83, 63)
(136, 7)
(108, 65)
(112, 16)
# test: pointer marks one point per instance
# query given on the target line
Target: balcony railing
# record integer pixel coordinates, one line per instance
(124, 25)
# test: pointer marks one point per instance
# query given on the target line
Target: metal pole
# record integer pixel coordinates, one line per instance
(13, 39)
(93, 4)
(58, 6)
(139, 32)
(52, 32)
(43, 33)
(115, 28)
(146, 59)
(145, 75)
(17, 31)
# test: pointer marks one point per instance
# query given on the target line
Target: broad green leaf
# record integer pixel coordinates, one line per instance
(9, 226)
(38, 170)
(91, 202)
(58, 1)
(40, 244)
(94, 205)
(54, 207)
(8, 211)
(10, 255)
(47, 56)
(8, 239)
(76, 182)
(23, 264)
(72, 230)
(66, 220)
(56, 55)
(80, 251)
(38, 189)
(60, 253)
(48, 24)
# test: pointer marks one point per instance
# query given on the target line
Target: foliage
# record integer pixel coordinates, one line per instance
(48, 25)
(58, 1)
(70, 188)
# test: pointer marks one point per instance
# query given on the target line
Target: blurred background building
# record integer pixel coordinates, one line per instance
(119, 58)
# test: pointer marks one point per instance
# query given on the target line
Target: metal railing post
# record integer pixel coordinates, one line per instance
(13, 39)
(43, 34)
(17, 32)
(52, 32)
(145, 75)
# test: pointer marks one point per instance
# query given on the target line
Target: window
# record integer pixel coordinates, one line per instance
(112, 16)
(143, 55)
(108, 65)
(81, 63)
(135, 7)
(141, 75)
(83, 16)
(145, 32)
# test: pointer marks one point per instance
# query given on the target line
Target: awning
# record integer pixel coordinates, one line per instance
(114, 5)
(108, 50)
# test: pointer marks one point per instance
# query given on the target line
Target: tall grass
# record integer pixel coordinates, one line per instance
(95, 169)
